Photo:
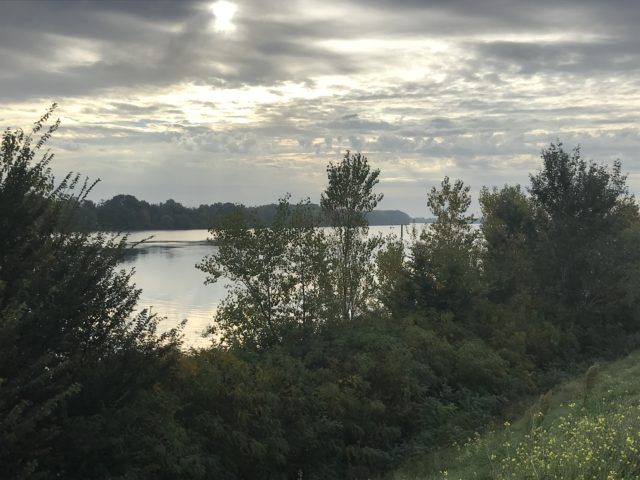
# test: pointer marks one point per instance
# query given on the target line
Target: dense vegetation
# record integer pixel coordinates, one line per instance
(125, 213)
(337, 354)
(77, 369)
(588, 428)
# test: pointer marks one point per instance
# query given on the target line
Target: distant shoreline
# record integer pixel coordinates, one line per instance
(126, 213)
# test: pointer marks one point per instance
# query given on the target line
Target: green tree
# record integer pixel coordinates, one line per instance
(586, 248)
(347, 200)
(445, 259)
(73, 356)
(278, 276)
(577, 202)
(390, 269)
(508, 232)
(560, 264)
(512, 310)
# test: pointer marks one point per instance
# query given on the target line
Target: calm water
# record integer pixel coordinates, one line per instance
(172, 286)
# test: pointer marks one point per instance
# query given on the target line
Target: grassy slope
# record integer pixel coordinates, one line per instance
(588, 428)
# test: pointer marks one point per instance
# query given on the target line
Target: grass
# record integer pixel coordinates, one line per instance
(585, 429)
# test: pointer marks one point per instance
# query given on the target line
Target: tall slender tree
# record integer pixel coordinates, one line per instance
(444, 260)
(347, 200)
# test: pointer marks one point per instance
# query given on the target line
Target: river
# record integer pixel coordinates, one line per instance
(171, 285)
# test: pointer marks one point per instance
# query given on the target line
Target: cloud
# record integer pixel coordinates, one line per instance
(469, 88)
(353, 122)
(594, 58)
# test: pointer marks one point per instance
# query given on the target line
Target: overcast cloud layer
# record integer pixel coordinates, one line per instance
(163, 100)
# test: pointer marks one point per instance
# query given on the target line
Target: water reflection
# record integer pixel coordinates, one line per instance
(174, 288)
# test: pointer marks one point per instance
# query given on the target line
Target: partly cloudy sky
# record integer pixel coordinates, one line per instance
(243, 101)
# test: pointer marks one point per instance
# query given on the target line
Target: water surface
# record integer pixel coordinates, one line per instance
(171, 285)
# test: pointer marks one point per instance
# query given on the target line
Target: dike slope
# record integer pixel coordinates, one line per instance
(588, 428)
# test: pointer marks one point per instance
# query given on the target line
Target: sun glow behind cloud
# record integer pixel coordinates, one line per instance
(224, 12)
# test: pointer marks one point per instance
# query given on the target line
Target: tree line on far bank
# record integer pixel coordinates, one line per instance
(126, 213)
(336, 354)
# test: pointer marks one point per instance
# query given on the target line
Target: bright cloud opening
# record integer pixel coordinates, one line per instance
(224, 12)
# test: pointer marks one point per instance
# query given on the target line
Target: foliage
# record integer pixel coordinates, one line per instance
(580, 205)
(444, 263)
(513, 304)
(350, 401)
(347, 200)
(442, 334)
(553, 290)
(390, 272)
(72, 354)
(279, 276)
(445, 337)
(507, 229)
(562, 435)
(585, 447)
(586, 248)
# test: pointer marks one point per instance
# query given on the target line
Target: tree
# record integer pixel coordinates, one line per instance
(445, 259)
(586, 247)
(560, 264)
(390, 272)
(349, 197)
(66, 318)
(577, 202)
(449, 206)
(508, 233)
(512, 312)
(278, 273)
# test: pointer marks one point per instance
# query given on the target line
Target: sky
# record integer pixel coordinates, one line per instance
(244, 101)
